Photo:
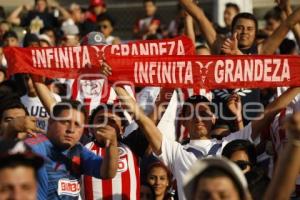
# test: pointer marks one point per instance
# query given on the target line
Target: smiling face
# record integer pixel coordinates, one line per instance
(246, 32)
(158, 179)
(199, 121)
(66, 130)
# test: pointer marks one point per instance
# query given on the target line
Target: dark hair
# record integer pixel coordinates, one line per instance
(233, 5)
(105, 17)
(10, 34)
(287, 46)
(274, 13)
(10, 101)
(151, 189)
(215, 172)
(161, 165)
(112, 107)
(15, 162)
(240, 145)
(244, 15)
(47, 28)
(194, 100)
(153, 1)
(66, 105)
(29, 39)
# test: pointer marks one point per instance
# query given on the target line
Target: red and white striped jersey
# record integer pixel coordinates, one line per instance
(126, 183)
(94, 92)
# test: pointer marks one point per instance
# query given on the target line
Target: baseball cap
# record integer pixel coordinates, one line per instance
(191, 177)
(93, 38)
(94, 3)
(70, 29)
(46, 38)
(17, 150)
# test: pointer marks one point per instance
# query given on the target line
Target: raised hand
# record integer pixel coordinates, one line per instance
(105, 69)
(22, 127)
(230, 46)
(234, 104)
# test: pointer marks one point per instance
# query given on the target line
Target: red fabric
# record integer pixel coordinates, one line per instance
(69, 62)
(210, 72)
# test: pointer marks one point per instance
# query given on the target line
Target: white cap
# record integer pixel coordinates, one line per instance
(191, 178)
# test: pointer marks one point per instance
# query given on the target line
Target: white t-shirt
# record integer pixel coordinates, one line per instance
(180, 158)
(35, 108)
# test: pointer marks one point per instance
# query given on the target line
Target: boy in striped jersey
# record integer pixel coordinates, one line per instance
(126, 184)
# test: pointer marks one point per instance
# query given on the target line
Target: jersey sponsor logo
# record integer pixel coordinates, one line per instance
(68, 187)
(122, 165)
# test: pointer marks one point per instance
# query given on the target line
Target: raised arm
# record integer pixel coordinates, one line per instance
(287, 8)
(148, 127)
(109, 164)
(189, 28)
(44, 93)
(272, 109)
(234, 104)
(270, 45)
(205, 25)
(65, 14)
(288, 165)
(14, 17)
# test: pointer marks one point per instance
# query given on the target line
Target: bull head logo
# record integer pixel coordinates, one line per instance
(203, 69)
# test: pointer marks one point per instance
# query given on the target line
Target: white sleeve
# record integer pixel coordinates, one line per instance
(244, 134)
(173, 153)
(167, 124)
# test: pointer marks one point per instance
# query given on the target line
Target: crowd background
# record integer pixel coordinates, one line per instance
(46, 23)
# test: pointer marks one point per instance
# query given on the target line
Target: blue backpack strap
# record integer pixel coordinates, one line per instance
(196, 152)
(214, 149)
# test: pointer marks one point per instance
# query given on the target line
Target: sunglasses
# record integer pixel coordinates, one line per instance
(243, 164)
(104, 26)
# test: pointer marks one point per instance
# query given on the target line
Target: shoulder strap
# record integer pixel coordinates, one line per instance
(214, 149)
(196, 152)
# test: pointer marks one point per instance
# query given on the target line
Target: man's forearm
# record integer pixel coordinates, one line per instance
(272, 109)
(285, 176)
(151, 132)
(109, 165)
(148, 127)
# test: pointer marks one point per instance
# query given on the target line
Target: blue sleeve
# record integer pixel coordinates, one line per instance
(42, 172)
(91, 163)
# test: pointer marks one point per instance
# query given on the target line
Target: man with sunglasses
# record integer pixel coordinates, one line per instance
(106, 27)
(180, 158)
(108, 119)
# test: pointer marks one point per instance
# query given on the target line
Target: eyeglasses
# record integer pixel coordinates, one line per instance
(243, 164)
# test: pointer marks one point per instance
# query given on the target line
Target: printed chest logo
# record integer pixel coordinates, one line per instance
(91, 88)
(68, 187)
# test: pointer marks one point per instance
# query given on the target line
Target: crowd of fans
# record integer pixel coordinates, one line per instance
(132, 142)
